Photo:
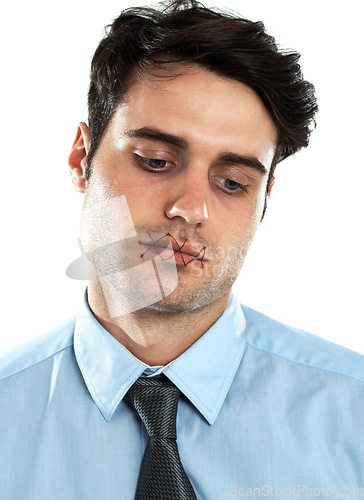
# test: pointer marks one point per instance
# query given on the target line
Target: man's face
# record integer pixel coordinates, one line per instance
(191, 154)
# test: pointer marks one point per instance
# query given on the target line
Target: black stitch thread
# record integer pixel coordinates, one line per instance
(175, 251)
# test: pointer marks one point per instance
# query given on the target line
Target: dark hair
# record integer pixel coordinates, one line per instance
(230, 46)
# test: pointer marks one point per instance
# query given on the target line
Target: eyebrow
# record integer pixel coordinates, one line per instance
(247, 161)
(152, 134)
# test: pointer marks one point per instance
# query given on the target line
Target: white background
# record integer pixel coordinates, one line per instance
(306, 265)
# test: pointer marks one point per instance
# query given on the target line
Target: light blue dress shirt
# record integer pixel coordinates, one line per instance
(267, 410)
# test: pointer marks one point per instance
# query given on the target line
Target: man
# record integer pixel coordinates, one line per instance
(164, 387)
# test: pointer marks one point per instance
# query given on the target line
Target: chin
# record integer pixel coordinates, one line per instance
(169, 307)
(182, 301)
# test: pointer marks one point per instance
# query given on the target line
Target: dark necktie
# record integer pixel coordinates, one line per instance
(161, 476)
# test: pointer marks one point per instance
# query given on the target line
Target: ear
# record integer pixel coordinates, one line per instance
(272, 181)
(267, 195)
(78, 158)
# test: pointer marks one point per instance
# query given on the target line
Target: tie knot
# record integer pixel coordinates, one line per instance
(156, 401)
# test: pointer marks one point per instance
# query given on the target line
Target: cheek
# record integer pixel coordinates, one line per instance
(244, 218)
(111, 183)
(145, 203)
(238, 228)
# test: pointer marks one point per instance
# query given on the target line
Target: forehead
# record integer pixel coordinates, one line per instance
(200, 106)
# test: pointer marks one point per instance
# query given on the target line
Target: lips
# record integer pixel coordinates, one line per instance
(160, 243)
(187, 248)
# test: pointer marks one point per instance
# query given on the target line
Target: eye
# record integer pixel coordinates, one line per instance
(153, 163)
(230, 186)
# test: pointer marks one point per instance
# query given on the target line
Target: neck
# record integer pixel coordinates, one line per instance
(153, 336)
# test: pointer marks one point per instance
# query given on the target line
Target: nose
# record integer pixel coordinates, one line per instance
(188, 200)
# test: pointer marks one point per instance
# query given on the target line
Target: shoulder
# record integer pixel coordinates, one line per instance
(300, 347)
(37, 350)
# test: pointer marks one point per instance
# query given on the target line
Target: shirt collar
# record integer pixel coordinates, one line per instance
(203, 373)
